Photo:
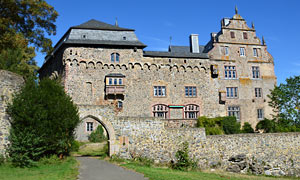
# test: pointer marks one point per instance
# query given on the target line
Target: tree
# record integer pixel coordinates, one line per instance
(24, 23)
(31, 18)
(43, 121)
(285, 100)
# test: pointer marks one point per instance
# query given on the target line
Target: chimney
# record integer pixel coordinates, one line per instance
(194, 43)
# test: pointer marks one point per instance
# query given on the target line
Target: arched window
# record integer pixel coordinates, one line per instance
(160, 110)
(115, 57)
(191, 111)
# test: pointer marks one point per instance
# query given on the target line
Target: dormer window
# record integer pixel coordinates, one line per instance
(84, 36)
(115, 57)
(124, 38)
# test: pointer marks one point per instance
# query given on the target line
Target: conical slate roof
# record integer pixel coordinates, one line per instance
(98, 25)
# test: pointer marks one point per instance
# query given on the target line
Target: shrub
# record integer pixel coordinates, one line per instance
(97, 136)
(183, 161)
(2, 159)
(247, 128)
(212, 125)
(43, 121)
(75, 146)
(266, 125)
(230, 125)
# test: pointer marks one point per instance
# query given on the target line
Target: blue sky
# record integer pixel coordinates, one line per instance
(155, 21)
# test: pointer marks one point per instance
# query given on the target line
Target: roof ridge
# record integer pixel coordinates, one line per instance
(99, 25)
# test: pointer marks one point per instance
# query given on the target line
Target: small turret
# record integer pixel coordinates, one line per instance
(236, 10)
(263, 41)
(252, 25)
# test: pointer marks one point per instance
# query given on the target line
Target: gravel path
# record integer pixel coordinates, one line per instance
(95, 169)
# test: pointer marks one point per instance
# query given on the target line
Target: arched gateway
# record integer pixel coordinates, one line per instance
(94, 113)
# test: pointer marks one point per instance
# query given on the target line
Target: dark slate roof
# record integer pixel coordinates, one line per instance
(103, 42)
(178, 52)
(115, 75)
(98, 25)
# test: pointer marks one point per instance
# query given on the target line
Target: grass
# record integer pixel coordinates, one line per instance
(164, 173)
(60, 170)
(92, 151)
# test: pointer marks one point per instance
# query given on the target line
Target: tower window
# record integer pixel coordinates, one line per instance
(255, 72)
(231, 92)
(245, 35)
(258, 92)
(255, 54)
(260, 114)
(115, 57)
(159, 91)
(230, 72)
(89, 126)
(232, 35)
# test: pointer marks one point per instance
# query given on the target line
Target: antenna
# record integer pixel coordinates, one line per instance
(116, 22)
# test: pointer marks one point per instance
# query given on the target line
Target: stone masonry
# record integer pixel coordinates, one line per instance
(9, 84)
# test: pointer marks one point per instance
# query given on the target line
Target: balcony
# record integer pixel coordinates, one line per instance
(114, 89)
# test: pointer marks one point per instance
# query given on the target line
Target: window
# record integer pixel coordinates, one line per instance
(110, 81)
(255, 52)
(255, 72)
(160, 91)
(232, 34)
(242, 51)
(120, 81)
(84, 36)
(190, 91)
(124, 38)
(89, 126)
(120, 104)
(226, 51)
(230, 72)
(191, 111)
(234, 111)
(245, 35)
(231, 92)
(260, 114)
(115, 57)
(160, 110)
(258, 92)
(115, 81)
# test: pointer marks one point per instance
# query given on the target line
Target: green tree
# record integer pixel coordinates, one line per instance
(230, 125)
(31, 18)
(97, 136)
(247, 128)
(24, 23)
(285, 100)
(43, 121)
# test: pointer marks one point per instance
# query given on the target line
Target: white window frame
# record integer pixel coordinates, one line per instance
(230, 72)
(191, 111)
(242, 51)
(255, 72)
(260, 114)
(226, 50)
(159, 91)
(258, 92)
(255, 52)
(160, 110)
(234, 111)
(232, 92)
(89, 126)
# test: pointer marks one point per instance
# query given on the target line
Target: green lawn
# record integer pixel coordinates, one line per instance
(64, 170)
(159, 173)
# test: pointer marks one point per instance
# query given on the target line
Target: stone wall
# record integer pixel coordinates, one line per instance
(9, 83)
(160, 139)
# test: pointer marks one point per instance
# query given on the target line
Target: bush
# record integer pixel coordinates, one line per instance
(212, 125)
(75, 146)
(219, 125)
(247, 128)
(272, 126)
(2, 159)
(43, 121)
(266, 125)
(183, 161)
(230, 125)
(97, 136)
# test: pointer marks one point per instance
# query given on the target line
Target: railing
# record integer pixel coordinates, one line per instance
(115, 89)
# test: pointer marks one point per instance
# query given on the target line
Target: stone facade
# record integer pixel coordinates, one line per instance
(9, 84)
(231, 75)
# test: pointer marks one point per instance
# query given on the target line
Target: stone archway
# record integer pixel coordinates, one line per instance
(113, 147)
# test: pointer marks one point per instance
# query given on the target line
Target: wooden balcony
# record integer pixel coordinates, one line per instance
(114, 89)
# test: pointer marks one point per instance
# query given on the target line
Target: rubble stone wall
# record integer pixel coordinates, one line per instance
(9, 83)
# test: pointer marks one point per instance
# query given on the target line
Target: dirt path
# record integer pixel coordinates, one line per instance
(95, 169)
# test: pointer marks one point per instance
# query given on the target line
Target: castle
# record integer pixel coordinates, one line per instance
(102, 64)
